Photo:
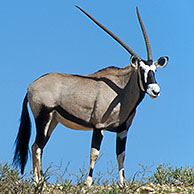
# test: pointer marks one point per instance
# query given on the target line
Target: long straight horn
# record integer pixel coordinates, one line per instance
(149, 52)
(110, 33)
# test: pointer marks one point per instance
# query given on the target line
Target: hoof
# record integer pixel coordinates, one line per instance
(122, 183)
(89, 181)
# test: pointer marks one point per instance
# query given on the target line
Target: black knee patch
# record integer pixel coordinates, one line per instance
(90, 172)
(96, 139)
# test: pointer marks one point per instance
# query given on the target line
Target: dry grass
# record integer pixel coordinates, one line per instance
(164, 179)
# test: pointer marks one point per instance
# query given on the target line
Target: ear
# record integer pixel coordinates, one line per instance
(161, 62)
(134, 62)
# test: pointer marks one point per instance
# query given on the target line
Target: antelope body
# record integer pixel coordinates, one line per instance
(103, 101)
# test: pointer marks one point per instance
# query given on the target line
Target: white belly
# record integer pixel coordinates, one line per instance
(70, 124)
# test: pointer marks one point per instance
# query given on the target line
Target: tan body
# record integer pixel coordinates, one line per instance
(103, 99)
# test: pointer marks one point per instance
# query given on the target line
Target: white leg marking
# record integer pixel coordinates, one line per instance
(38, 154)
(121, 177)
(93, 157)
(37, 166)
(89, 181)
(48, 124)
(38, 169)
(120, 160)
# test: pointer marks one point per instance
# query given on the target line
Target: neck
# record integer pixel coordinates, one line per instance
(132, 96)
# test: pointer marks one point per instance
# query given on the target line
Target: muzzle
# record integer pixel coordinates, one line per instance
(153, 90)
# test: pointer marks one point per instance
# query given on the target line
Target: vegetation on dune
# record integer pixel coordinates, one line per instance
(165, 179)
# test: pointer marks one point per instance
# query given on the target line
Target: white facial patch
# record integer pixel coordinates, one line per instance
(146, 69)
(153, 90)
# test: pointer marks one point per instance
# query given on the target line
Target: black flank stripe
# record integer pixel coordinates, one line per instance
(151, 77)
(72, 118)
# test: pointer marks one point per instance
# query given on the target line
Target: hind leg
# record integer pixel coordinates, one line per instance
(45, 124)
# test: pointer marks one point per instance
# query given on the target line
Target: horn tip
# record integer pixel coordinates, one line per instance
(78, 7)
(137, 10)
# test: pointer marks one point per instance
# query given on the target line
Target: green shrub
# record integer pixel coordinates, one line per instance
(165, 174)
(165, 179)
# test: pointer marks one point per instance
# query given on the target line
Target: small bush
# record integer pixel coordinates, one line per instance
(165, 174)
(12, 182)
(164, 179)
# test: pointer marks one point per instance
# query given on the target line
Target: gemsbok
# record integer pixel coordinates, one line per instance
(103, 101)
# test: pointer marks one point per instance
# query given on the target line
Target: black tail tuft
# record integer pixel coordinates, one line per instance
(23, 137)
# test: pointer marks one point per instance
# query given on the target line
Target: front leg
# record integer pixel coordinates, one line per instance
(120, 146)
(95, 149)
(120, 151)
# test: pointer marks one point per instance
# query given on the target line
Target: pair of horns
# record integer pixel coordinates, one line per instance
(149, 53)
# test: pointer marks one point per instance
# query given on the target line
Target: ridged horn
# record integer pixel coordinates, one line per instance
(149, 52)
(110, 33)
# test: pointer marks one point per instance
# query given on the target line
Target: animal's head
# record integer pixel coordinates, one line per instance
(145, 68)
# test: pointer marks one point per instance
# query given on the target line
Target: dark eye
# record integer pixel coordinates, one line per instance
(141, 69)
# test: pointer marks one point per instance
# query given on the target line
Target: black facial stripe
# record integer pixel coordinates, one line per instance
(142, 71)
(151, 77)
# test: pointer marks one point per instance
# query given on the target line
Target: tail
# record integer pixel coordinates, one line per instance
(23, 137)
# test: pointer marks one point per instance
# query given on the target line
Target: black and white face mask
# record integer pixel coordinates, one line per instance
(147, 71)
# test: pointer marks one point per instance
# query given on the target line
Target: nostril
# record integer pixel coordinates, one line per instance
(156, 93)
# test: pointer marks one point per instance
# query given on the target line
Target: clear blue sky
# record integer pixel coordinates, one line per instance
(38, 37)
